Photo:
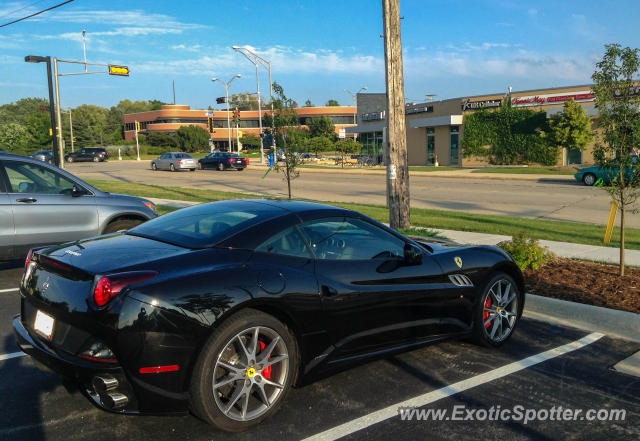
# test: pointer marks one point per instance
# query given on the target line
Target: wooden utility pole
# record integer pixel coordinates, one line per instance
(396, 152)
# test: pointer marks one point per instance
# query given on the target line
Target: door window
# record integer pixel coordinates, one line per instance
(431, 146)
(30, 178)
(287, 242)
(351, 239)
(455, 139)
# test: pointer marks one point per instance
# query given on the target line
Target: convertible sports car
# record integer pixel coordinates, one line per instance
(221, 308)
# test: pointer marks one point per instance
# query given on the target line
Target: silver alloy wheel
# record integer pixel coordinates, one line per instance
(250, 373)
(589, 179)
(500, 310)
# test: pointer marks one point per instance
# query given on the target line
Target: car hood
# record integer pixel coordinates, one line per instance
(588, 169)
(109, 253)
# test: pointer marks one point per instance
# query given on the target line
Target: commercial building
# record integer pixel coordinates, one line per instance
(171, 117)
(435, 129)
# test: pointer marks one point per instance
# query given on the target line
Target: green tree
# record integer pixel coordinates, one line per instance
(510, 135)
(90, 126)
(192, 138)
(618, 104)
(346, 147)
(244, 101)
(284, 118)
(332, 103)
(38, 125)
(14, 137)
(161, 139)
(571, 128)
(322, 126)
(249, 140)
(17, 112)
(319, 144)
(297, 139)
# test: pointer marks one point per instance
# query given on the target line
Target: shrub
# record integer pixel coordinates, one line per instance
(526, 252)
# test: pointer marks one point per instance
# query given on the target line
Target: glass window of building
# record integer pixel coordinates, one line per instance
(431, 145)
(455, 145)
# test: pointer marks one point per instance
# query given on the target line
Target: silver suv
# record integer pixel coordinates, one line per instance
(41, 204)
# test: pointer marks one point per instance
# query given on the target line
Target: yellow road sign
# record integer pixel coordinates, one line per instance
(122, 71)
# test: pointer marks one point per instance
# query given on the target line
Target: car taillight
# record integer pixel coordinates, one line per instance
(27, 261)
(110, 286)
(246, 161)
(179, 161)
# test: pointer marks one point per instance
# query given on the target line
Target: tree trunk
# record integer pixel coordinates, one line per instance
(622, 210)
(396, 155)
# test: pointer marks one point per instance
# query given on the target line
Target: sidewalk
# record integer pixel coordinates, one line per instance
(561, 249)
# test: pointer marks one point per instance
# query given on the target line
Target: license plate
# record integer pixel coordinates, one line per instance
(44, 324)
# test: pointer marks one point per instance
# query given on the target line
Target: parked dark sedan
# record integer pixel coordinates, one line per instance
(88, 154)
(223, 161)
(221, 308)
(44, 156)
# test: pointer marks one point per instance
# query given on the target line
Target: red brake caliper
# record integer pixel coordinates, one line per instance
(485, 315)
(266, 372)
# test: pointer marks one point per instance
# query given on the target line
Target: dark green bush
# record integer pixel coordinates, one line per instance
(526, 252)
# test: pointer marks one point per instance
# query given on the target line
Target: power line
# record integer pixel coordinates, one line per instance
(20, 9)
(37, 13)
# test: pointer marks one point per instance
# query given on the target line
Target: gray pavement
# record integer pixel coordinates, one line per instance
(543, 198)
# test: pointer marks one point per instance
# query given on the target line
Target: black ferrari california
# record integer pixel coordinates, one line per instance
(221, 308)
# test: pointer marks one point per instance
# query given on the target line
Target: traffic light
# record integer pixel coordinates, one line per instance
(221, 100)
(236, 116)
(210, 124)
(137, 126)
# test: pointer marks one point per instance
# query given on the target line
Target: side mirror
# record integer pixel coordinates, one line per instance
(78, 191)
(412, 254)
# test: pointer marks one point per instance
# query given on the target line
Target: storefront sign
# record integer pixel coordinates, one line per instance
(556, 98)
(484, 104)
(373, 116)
(419, 110)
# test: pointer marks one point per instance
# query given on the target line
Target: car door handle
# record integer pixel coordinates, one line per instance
(26, 200)
(328, 291)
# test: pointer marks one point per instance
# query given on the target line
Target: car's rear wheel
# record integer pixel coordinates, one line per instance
(244, 371)
(70, 159)
(192, 169)
(172, 167)
(154, 167)
(200, 167)
(121, 225)
(498, 311)
(96, 159)
(589, 179)
(221, 166)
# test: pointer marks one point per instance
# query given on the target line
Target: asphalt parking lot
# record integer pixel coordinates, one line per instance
(37, 405)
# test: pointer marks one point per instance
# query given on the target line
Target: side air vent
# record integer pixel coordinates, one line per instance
(460, 280)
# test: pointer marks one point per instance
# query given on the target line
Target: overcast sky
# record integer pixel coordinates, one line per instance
(318, 48)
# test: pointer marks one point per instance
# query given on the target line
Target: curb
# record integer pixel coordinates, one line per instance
(612, 322)
(437, 174)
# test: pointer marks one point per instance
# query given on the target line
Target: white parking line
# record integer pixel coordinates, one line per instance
(9, 290)
(11, 355)
(447, 391)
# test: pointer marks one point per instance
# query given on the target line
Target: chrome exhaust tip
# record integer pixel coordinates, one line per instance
(114, 400)
(104, 384)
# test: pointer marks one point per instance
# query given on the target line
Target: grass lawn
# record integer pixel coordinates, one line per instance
(420, 217)
(425, 168)
(525, 171)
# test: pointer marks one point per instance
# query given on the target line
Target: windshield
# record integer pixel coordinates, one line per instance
(203, 226)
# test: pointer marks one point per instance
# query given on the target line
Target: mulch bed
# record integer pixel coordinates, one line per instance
(587, 282)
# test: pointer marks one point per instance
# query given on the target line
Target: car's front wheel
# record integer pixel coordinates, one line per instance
(589, 179)
(172, 167)
(497, 312)
(154, 167)
(244, 371)
(96, 159)
(121, 225)
(70, 159)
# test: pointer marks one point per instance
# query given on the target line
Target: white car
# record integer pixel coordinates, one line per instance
(174, 161)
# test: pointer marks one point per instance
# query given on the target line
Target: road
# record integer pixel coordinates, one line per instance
(544, 199)
(36, 405)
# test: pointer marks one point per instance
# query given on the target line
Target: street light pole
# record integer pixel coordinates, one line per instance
(54, 132)
(257, 59)
(226, 89)
(70, 128)
(355, 102)
(58, 115)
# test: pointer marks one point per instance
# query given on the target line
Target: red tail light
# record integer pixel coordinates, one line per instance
(27, 261)
(179, 161)
(110, 286)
